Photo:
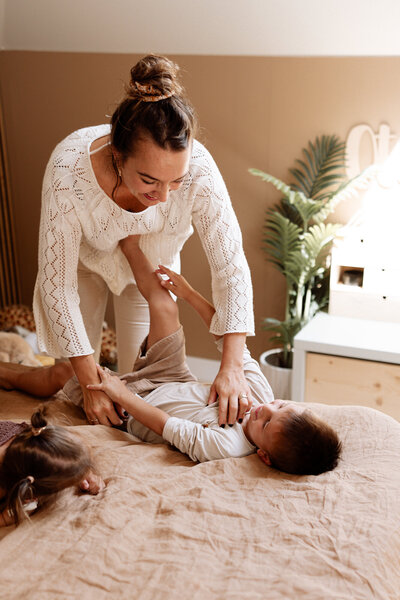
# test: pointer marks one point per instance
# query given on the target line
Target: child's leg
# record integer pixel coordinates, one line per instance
(164, 315)
(42, 381)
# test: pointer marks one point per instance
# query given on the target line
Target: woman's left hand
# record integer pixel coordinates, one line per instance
(232, 390)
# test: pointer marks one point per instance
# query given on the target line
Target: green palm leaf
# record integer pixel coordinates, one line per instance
(310, 262)
(282, 238)
(280, 185)
(317, 245)
(322, 166)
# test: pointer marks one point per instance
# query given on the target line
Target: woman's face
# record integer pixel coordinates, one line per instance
(152, 172)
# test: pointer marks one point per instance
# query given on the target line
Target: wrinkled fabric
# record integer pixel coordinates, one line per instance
(166, 528)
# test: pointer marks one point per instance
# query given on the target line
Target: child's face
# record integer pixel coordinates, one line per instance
(266, 421)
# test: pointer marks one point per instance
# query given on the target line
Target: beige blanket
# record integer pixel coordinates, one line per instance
(166, 528)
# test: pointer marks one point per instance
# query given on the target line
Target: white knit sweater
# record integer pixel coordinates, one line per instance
(79, 221)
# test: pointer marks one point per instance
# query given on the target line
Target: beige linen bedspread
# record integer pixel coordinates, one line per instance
(166, 528)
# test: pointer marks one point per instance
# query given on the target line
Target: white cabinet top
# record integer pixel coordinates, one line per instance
(356, 338)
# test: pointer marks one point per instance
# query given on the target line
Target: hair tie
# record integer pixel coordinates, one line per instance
(149, 93)
(38, 430)
(31, 479)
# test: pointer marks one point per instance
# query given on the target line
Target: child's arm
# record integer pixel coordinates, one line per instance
(178, 285)
(150, 416)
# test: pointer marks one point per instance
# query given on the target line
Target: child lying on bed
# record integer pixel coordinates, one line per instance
(36, 462)
(285, 435)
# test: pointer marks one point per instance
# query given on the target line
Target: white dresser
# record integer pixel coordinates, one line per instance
(341, 360)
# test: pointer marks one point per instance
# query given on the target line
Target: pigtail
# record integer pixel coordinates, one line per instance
(38, 419)
(21, 500)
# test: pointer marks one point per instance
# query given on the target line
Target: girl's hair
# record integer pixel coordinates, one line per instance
(41, 461)
(156, 106)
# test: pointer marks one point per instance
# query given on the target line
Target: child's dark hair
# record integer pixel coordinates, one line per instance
(41, 461)
(155, 105)
(307, 445)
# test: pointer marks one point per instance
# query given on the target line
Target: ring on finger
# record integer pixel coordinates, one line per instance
(93, 421)
(242, 395)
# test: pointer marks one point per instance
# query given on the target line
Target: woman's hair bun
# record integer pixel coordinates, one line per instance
(156, 76)
(155, 105)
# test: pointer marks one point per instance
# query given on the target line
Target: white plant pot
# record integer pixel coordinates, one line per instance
(279, 378)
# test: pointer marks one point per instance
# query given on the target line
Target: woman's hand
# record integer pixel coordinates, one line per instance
(99, 408)
(230, 386)
(232, 390)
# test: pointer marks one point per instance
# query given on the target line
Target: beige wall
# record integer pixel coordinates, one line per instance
(254, 112)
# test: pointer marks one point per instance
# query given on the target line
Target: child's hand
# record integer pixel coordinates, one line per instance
(92, 483)
(110, 385)
(175, 283)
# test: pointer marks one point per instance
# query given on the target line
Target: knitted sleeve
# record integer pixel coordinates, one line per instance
(60, 328)
(220, 235)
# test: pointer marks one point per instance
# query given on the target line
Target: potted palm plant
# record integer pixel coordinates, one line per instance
(298, 241)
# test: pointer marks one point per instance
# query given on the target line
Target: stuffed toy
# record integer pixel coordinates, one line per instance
(14, 349)
(19, 315)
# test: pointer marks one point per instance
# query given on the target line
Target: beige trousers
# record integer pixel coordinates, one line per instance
(131, 312)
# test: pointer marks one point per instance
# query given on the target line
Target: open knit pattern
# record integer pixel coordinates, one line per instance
(79, 221)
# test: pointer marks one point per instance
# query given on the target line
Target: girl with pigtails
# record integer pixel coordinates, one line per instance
(36, 462)
(144, 173)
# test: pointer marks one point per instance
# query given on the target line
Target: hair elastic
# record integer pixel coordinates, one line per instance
(149, 93)
(38, 430)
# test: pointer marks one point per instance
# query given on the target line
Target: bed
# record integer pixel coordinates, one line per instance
(166, 528)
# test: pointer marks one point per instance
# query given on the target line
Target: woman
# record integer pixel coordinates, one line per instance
(146, 174)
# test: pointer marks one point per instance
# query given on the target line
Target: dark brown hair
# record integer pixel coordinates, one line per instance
(169, 122)
(39, 463)
(307, 445)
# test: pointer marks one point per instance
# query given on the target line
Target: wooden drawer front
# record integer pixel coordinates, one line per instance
(338, 380)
